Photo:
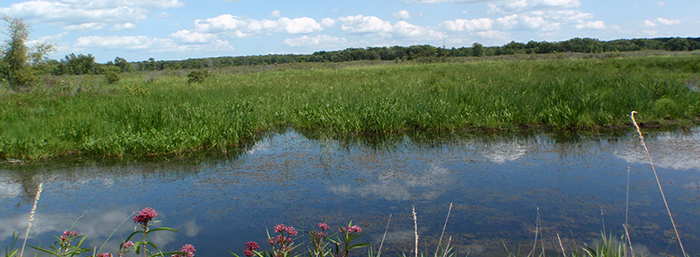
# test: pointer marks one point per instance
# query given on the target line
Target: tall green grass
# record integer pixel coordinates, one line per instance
(161, 113)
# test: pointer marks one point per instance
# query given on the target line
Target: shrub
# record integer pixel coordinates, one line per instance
(197, 76)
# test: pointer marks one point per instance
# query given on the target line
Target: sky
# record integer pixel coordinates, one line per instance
(180, 29)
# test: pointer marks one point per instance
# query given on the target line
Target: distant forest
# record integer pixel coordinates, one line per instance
(85, 64)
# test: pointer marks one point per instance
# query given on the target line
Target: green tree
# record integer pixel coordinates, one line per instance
(478, 49)
(678, 44)
(15, 52)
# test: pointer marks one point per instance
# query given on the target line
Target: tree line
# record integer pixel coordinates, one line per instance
(576, 45)
(20, 64)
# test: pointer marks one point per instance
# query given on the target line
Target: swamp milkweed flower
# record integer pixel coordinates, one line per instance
(188, 251)
(250, 247)
(146, 215)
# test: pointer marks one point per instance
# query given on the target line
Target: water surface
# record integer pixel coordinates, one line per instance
(499, 187)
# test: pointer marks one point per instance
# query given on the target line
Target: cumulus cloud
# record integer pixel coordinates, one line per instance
(77, 12)
(403, 14)
(460, 25)
(243, 27)
(512, 6)
(320, 40)
(591, 25)
(125, 26)
(152, 44)
(187, 36)
(276, 14)
(85, 26)
(364, 24)
(659, 21)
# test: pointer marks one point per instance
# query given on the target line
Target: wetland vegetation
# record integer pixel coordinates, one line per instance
(169, 112)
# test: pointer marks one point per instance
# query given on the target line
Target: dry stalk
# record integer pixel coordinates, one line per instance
(627, 202)
(629, 240)
(661, 190)
(449, 240)
(537, 230)
(415, 228)
(379, 252)
(443, 231)
(31, 218)
(561, 245)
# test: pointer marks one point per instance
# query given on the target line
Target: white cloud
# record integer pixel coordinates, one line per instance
(77, 12)
(164, 15)
(187, 36)
(125, 26)
(405, 29)
(364, 24)
(328, 22)
(151, 44)
(460, 25)
(276, 14)
(512, 6)
(668, 22)
(84, 27)
(657, 21)
(320, 40)
(299, 25)
(492, 34)
(403, 14)
(591, 25)
(243, 27)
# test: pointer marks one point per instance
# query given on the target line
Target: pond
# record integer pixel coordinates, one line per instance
(500, 187)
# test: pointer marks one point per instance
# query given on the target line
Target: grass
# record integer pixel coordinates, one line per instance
(161, 113)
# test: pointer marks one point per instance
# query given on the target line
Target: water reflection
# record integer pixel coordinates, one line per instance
(678, 151)
(497, 182)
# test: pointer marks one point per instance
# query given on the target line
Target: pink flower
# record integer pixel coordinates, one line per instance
(350, 230)
(189, 249)
(291, 231)
(127, 245)
(146, 215)
(323, 226)
(279, 228)
(104, 255)
(71, 233)
(252, 246)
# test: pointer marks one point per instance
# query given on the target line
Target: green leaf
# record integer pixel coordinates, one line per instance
(45, 250)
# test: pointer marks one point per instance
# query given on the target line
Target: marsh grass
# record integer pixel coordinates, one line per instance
(161, 113)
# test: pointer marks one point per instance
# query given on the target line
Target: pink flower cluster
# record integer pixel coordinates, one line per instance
(282, 228)
(188, 251)
(351, 230)
(146, 215)
(127, 245)
(250, 247)
(68, 236)
(323, 226)
(104, 255)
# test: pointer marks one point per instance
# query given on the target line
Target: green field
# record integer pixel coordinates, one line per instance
(161, 113)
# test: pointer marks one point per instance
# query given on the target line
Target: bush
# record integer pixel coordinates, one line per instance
(197, 76)
(111, 77)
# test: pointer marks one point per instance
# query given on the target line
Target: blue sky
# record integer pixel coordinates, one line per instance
(181, 29)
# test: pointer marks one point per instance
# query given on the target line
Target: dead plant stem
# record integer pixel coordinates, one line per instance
(661, 190)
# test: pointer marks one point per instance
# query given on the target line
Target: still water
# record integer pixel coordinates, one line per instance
(499, 186)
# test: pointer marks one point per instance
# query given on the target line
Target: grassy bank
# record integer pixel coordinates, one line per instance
(158, 113)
